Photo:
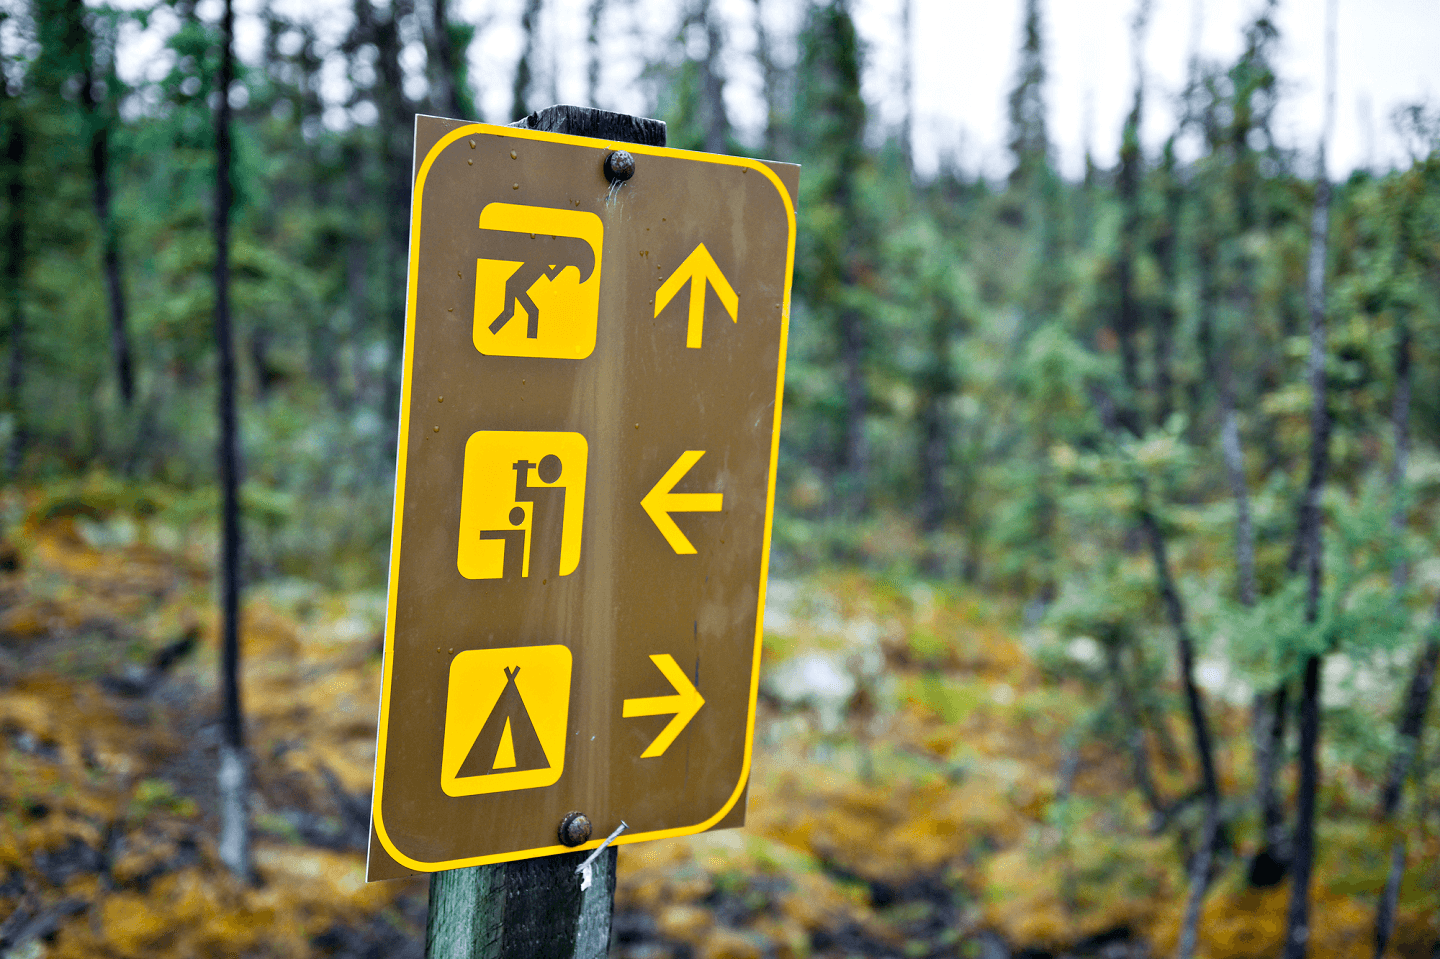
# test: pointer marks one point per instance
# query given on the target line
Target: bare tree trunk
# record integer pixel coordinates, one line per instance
(1297, 916)
(592, 42)
(1297, 920)
(395, 127)
(1272, 859)
(1410, 729)
(933, 445)
(15, 148)
(1270, 712)
(109, 235)
(1199, 879)
(907, 85)
(1239, 488)
(1422, 683)
(356, 284)
(1245, 569)
(1127, 324)
(1132, 169)
(1400, 426)
(856, 455)
(938, 386)
(520, 105)
(1135, 730)
(1175, 615)
(772, 77)
(712, 81)
(1417, 700)
(446, 95)
(1165, 248)
(114, 282)
(233, 777)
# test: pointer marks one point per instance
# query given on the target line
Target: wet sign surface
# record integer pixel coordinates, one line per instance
(584, 489)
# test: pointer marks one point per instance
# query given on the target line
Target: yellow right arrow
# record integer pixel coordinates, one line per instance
(698, 267)
(684, 704)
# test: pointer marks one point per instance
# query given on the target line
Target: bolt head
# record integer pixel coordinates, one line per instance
(619, 166)
(574, 828)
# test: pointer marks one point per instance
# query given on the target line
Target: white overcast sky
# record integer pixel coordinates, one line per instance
(964, 56)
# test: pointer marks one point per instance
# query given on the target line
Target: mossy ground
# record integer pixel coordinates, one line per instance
(930, 820)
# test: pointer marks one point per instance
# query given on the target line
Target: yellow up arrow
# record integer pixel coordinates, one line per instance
(684, 704)
(660, 502)
(698, 267)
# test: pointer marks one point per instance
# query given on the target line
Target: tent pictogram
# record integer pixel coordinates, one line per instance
(505, 719)
(507, 742)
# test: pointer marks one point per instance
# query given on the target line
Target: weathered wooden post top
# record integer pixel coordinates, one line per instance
(589, 428)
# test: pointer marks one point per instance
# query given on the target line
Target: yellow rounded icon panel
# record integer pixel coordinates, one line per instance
(505, 717)
(537, 292)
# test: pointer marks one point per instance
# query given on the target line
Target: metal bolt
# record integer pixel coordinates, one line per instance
(619, 166)
(574, 828)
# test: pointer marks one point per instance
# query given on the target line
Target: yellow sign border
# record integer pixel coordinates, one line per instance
(416, 205)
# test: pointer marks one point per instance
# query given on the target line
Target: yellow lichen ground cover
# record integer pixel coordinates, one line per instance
(929, 804)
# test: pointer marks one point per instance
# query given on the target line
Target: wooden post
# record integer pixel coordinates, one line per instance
(530, 909)
(535, 908)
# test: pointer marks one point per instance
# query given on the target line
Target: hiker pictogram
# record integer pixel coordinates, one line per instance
(522, 503)
(505, 718)
(537, 281)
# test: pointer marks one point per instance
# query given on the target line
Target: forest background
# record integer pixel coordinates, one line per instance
(1128, 481)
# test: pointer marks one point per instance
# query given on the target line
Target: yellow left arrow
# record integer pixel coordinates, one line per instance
(698, 268)
(660, 502)
(684, 704)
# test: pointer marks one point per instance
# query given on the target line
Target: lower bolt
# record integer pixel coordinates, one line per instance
(574, 828)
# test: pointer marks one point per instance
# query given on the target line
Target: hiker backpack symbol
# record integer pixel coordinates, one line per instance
(505, 719)
(537, 281)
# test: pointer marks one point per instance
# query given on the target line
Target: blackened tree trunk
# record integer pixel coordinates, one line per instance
(395, 126)
(97, 118)
(234, 763)
(1297, 919)
(15, 148)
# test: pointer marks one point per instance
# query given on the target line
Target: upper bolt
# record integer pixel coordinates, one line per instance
(619, 166)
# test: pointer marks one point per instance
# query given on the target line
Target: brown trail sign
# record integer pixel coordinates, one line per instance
(584, 491)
